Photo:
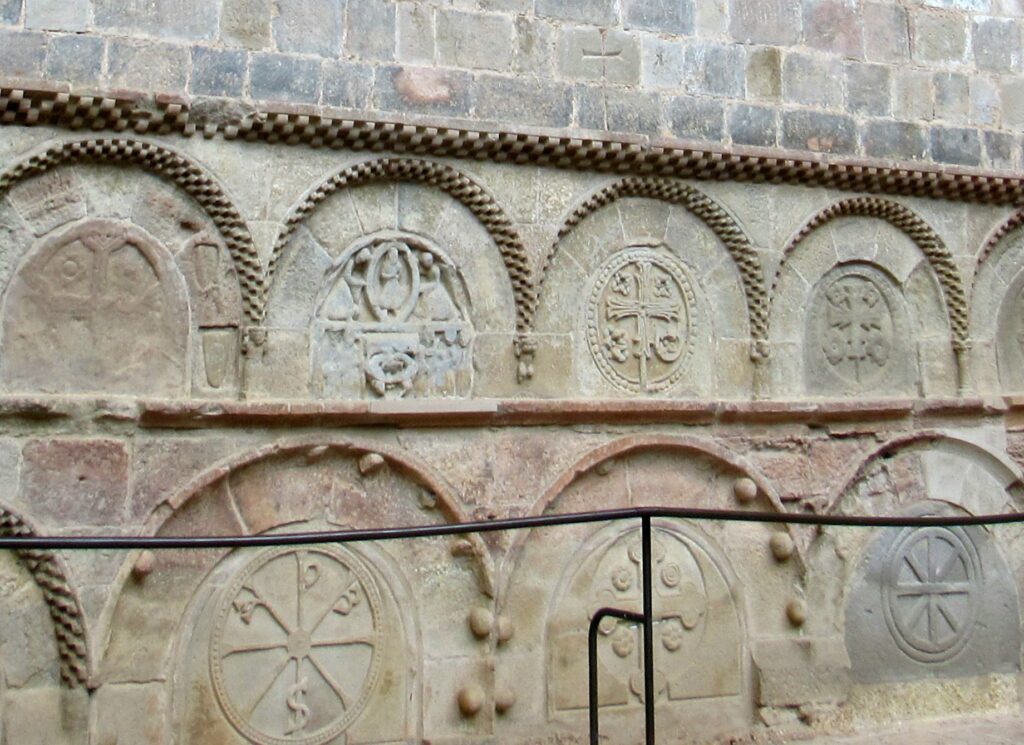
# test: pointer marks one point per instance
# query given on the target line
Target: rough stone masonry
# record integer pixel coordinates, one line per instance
(287, 265)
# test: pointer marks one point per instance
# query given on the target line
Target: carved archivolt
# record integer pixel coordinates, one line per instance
(451, 182)
(1006, 227)
(926, 239)
(66, 613)
(176, 168)
(712, 214)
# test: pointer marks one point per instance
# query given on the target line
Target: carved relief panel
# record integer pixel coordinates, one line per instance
(97, 307)
(640, 320)
(295, 651)
(392, 321)
(857, 333)
(697, 627)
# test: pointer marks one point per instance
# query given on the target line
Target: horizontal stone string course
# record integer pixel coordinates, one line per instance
(317, 128)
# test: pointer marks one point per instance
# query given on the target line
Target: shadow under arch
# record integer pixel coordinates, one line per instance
(178, 169)
(711, 213)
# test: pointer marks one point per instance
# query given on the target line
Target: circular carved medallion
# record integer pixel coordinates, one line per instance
(295, 651)
(639, 320)
(932, 588)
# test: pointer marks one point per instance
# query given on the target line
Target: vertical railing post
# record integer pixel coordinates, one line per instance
(648, 633)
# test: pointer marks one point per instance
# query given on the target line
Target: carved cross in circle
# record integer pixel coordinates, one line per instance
(933, 584)
(639, 320)
(295, 652)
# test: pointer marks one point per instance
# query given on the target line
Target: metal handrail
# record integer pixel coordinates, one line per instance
(644, 514)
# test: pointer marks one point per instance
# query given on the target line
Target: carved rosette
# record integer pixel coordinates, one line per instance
(932, 589)
(640, 320)
(392, 321)
(296, 649)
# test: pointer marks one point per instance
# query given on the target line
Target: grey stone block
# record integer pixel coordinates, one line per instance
(764, 73)
(834, 26)
(588, 101)
(422, 90)
(370, 30)
(217, 72)
(914, 96)
(348, 85)
(591, 54)
(984, 101)
(952, 97)
(664, 16)
(308, 26)
(894, 140)
(1000, 149)
(57, 15)
(633, 111)
(765, 21)
(528, 102)
(815, 81)
(664, 63)
(22, 54)
(955, 145)
(246, 23)
(474, 40)
(181, 19)
(415, 42)
(754, 125)
(75, 59)
(696, 118)
(938, 37)
(868, 88)
(716, 69)
(10, 11)
(596, 12)
(1011, 92)
(534, 47)
(282, 77)
(996, 43)
(819, 132)
(887, 38)
(148, 66)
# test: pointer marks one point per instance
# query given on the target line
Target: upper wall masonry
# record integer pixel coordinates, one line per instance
(928, 80)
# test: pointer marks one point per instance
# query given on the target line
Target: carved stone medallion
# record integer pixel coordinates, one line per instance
(855, 327)
(640, 320)
(931, 588)
(392, 321)
(296, 648)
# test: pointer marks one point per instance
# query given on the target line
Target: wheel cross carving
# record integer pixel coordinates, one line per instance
(932, 587)
(295, 652)
(639, 322)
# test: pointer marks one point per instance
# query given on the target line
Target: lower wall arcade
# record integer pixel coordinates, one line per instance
(207, 336)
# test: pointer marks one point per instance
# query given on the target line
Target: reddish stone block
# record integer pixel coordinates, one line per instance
(69, 482)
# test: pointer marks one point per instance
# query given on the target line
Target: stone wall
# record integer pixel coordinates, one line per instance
(306, 278)
(927, 80)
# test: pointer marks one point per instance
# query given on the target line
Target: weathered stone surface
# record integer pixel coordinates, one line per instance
(419, 89)
(75, 59)
(162, 18)
(996, 43)
(772, 22)
(217, 72)
(663, 16)
(370, 29)
(347, 85)
(961, 146)
(51, 15)
(22, 55)
(812, 80)
(474, 40)
(894, 140)
(281, 77)
(938, 36)
(246, 23)
(308, 27)
(754, 125)
(542, 104)
(158, 66)
(85, 480)
(869, 89)
(598, 12)
(825, 133)
(695, 118)
(834, 26)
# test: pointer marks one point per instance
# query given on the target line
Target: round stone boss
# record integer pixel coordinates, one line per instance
(296, 647)
(933, 585)
(640, 319)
